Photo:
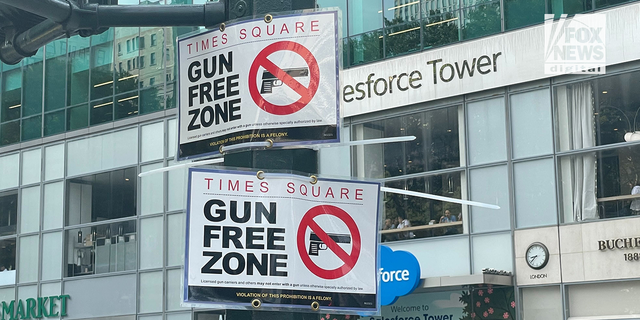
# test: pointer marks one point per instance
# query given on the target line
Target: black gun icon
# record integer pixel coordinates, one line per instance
(315, 244)
(269, 80)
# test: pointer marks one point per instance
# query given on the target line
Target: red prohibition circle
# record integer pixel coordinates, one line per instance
(348, 259)
(306, 94)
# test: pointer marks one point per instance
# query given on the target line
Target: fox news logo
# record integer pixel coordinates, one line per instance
(575, 45)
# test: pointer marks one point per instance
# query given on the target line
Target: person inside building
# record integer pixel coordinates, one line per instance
(401, 224)
(448, 217)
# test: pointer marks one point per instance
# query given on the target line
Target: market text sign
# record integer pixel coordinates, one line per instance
(256, 81)
(47, 307)
(282, 240)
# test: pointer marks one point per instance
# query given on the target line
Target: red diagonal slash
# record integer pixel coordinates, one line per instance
(306, 93)
(349, 260)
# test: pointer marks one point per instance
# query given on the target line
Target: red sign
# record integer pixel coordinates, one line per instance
(349, 260)
(306, 94)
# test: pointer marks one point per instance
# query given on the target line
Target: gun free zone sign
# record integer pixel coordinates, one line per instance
(282, 241)
(257, 80)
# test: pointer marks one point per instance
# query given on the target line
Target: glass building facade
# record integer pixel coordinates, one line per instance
(84, 116)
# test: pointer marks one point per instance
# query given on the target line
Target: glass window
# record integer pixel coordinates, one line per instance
(78, 70)
(29, 259)
(108, 297)
(152, 67)
(402, 27)
(437, 218)
(440, 27)
(365, 47)
(55, 70)
(542, 303)
(31, 166)
(492, 251)
(52, 256)
(11, 93)
(101, 111)
(54, 122)
(26, 292)
(101, 65)
(9, 171)
(32, 84)
(177, 182)
(53, 206)
(175, 239)
(152, 190)
(102, 196)
(8, 213)
(54, 162)
(152, 142)
(102, 152)
(535, 193)
(151, 99)
(518, 13)
(127, 105)
(172, 137)
(174, 290)
(342, 5)
(151, 246)
(615, 299)
(490, 185)
(598, 112)
(31, 128)
(151, 292)
(10, 133)
(436, 145)
(101, 249)
(78, 117)
(8, 261)
(481, 20)
(531, 125)
(487, 136)
(569, 7)
(127, 80)
(30, 210)
(179, 316)
(50, 289)
(364, 16)
(606, 3)
(402, 38)
(154, 39)
(600, 185)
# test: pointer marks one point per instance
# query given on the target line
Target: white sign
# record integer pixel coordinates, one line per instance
(256, 81)
(282, 240)
(575, 45)
(505, 59)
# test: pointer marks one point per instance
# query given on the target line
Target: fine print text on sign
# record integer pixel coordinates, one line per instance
(282, 240)
(256, 81)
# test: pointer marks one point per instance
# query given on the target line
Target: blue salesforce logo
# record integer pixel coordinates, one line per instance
(399, 274)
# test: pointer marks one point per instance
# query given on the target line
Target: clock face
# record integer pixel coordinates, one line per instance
(537, 256)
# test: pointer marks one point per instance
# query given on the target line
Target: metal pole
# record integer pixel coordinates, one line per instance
(56, 10)
(208, 15)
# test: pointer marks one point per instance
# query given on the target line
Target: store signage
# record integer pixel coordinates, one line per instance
(473, 66)
(399, 274)
(259, 80)
(36, 308)
(281, 240)
(619, 243)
